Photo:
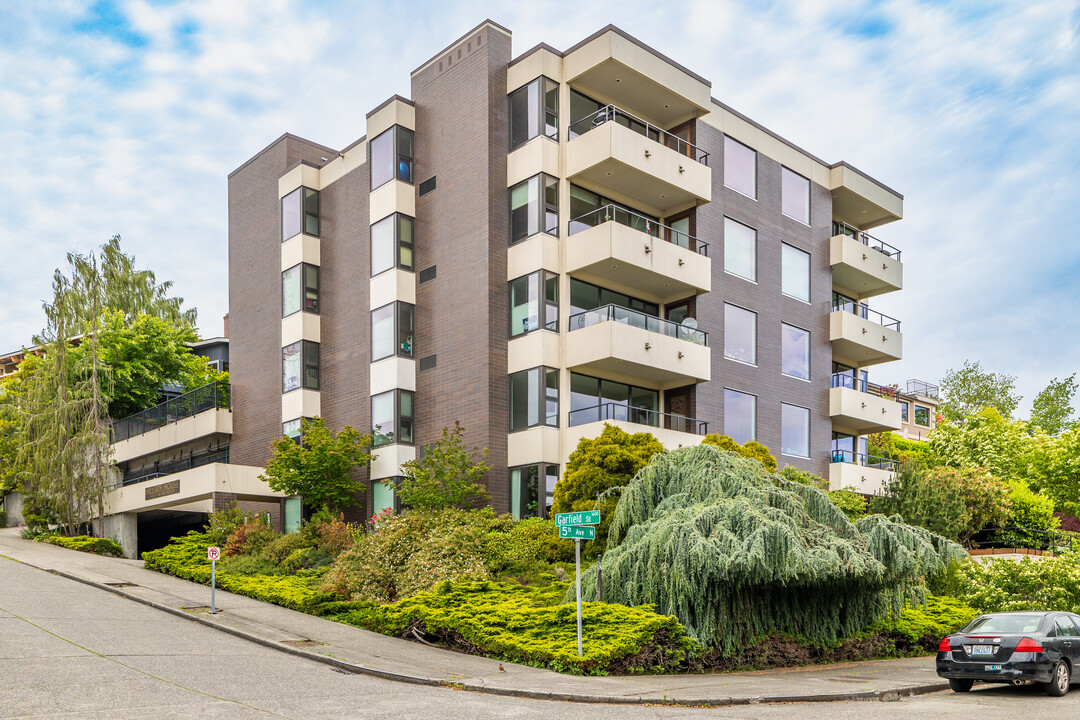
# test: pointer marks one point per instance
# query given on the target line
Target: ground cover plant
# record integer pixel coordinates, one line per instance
(100, 546)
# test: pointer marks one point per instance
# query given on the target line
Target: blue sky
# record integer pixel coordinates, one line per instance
(125, 116)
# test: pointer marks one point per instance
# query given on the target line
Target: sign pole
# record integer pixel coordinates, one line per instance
(577, 553)
(212, 554)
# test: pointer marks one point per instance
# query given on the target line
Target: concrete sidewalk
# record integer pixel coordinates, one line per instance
(360, 651)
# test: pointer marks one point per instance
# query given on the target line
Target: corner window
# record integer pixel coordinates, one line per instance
(794, 195)
(300, 213)
(384, 495)
(392, 244)
(392, 417)
(292, 429)
(922, 416)
(534, 398)
(300, 366)
(532, 488)
(300, 290)
(392, 330)
(740, 249)
(392, 157)
(794, 430)
(794, 351)
(794, 272)
(740, 416)
(528, 310)
(740, 334)
(740, 167)
(534, 109)
(534, 207)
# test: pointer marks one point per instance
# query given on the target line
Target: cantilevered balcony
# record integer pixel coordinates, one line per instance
(862, 473)
(861, 336)
(613, 149)
(201, 413)
(629, 342)
(673, 431)
(860, 408)
(617, 245)
(862, 265)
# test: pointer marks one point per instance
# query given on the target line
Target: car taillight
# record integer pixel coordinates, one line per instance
(944, 646)
(1028, 645)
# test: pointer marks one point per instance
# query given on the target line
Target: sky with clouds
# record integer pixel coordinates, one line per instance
(126, 116)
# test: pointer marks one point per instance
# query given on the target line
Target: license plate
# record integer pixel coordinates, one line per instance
(991, 667)
(980, 650)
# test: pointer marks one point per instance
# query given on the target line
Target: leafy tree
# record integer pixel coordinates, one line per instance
(1054, 468)
(320, 468)
(449, 475)
(1029, 510)
(597, 470)
(970, 388)
(1052, 410)
(890, 446)
(986, 440)
(751, 449)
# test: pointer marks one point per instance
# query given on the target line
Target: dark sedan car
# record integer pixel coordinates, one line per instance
(1018, 648)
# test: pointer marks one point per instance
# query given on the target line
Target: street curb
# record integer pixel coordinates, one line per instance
(358, 669)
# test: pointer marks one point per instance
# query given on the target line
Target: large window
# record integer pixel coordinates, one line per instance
(587, 209)
(740, 249)
(384, 495)
(300, 366)
(529, 495)
(922, 416)
(794, 430)
(300, 289)
(392, 244)
(534, 109)
(794, 195)
(740, 167)
(740, 334)
(300, 213)
(794, 351)
(740, 416)
(534, 303)
(593, 400)
(534, 207)
(585, 296)
(795, 272)
(904, 412)
(392, 330)
(534, 398)
(392, 157)
(392, 417)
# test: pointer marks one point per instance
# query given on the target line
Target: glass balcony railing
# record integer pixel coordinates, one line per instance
(845, 380)
(636, 318)
(862, 459)
(641, 223)
(639, 416)
(846, 304)
(842, 228)
(611, 113)
(208, 397)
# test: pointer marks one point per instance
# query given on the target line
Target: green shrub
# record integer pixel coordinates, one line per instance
(1001, 585)
(307, 558)
(284, 545)
(100, 546)
(250, 538)
(3, 514)
(923, 626)
(329, 532)
(803, 477)
(1030, 510)
(751, 449)
(852, 503)
(224, 522)
(249, 565)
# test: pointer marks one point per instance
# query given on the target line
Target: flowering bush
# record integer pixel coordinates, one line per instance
(1044, 583)
(380, 518)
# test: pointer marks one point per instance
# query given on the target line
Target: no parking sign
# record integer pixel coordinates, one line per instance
(213, 553)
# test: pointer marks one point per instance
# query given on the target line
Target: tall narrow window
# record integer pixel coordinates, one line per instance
(740, 249)
(794, 430)
(300, 366)
(740, 334)
(794, 195)
(534, 109)
(392, 244)
(392, 330)
(392, 417)
(392, 156)
(534, 398)
(300, 212)
(300, 290)
(534, 303)
(534, 207)
(740, 167)
(740, 416)
(532, 488)
(794, 351)
(794, 272)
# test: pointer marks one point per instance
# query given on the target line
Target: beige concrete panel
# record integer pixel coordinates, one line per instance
(189, 429)
(861, 413)
(535, 445)
(393, 113)
(531, 350)
(298, 249)
(391, 197)
(860, 342)
(865, 480)
(842, 176)
(860, 271)
(797, 161)
(394, 284)
(195, 484)
(539, 155)
(621, 348)
(300, 404)
(300, 175)
(540, 252)
(389, 459)
(392, 372)
(541, 62)
(346, 162)
(300, 326)
(670, 439)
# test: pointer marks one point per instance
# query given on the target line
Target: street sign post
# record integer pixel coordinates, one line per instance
(577, 526)
(578, 532)
(212, 554)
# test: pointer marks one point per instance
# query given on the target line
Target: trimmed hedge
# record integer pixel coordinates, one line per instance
(923, 626)
(84, 543)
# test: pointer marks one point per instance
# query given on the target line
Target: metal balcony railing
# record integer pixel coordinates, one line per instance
(863, 460)
(842, 228)
(171, 467)
(846, 304)
(208, 397)
(1052, 541)
(919, 387)
(631, 219)
(636, 318)
(853, 383)
(639, 416)
(612, 113)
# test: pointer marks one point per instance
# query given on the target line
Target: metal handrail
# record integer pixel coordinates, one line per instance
(636, 318)
(215, 395)
(642, 127)
(921, 387)
(846, 304)
(631, 219)
(173, 466)
(842, 228)
(863, 460)
(1024, 538)
(853, 383)
(638, 416)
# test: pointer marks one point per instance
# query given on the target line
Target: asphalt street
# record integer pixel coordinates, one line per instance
(68, 650)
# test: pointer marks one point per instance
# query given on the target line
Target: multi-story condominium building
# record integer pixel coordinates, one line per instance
(538, 245)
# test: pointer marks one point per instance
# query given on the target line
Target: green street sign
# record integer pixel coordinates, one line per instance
(589, 517)
(577, 532)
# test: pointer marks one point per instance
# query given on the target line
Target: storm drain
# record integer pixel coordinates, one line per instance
(302, 643)
(122, 584)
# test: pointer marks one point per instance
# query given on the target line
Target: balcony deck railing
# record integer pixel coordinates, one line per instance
(636, 318)
(639, 416)
(846, 304)
(208, 397)
(171, 467)
(853, 383)
(641, 223)
(863, 460)
(1004, 538)
(612, 113)
(921, 387)
(842, 228)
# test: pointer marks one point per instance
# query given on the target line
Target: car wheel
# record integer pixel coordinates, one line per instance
(960, 685)
(1059, 682)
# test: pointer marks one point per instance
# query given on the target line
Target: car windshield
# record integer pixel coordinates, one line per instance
(1004, 624)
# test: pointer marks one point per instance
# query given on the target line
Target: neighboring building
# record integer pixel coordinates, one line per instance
(918, 410)
(535, 246)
